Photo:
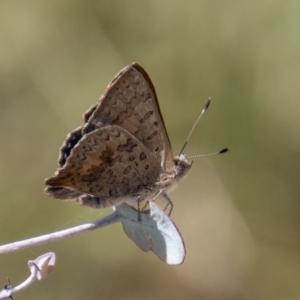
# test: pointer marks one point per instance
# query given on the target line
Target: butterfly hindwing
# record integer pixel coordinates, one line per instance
(107, 162)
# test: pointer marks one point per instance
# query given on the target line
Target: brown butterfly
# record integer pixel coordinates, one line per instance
(122, 153)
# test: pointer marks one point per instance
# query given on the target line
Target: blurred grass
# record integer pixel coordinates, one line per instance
(238, 213)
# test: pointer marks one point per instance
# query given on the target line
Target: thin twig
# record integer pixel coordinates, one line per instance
(59, 235)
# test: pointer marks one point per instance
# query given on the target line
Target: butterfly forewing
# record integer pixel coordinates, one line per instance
(130, 102)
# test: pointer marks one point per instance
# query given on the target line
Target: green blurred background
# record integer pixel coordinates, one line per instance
(238, 212)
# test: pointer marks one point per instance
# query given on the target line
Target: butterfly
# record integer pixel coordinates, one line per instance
(122, 153)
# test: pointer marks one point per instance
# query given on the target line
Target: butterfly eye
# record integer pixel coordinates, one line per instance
(180, 170)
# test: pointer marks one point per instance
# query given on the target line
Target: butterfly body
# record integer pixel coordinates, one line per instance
(122, 153)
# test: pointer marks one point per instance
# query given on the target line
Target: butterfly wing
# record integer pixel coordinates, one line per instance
(130, 102)
(106, 162)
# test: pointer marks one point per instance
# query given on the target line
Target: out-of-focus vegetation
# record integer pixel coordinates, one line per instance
(238, 212)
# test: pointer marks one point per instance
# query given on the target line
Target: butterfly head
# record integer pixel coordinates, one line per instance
(182, 166)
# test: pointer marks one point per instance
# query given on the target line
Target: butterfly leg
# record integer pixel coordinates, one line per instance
(167, 198)
(139, 200)
(153, 199)
(144, 207)
(169, 202)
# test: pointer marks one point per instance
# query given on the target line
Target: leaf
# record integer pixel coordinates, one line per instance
(45, 264)
(154, 231)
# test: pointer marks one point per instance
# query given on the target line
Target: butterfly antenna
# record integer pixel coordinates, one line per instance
(210, 154)
(197, 121)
